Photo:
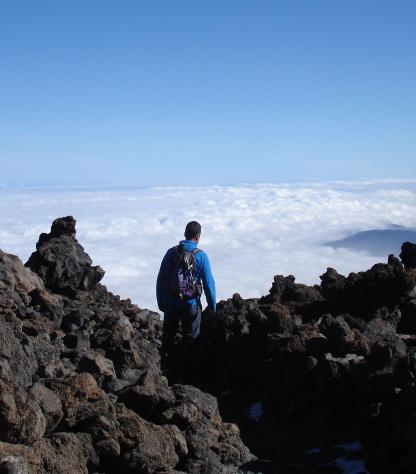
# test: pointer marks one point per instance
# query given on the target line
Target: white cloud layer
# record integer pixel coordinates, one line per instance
(249, 232)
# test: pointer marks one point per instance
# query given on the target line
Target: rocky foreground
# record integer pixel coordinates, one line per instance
(81, 389)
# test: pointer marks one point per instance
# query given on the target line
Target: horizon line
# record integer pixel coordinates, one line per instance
(365, 181)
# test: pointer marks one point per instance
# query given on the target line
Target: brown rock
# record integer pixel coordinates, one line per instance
(49, 403)
(17, 277)
(21, 419)
(63, 453)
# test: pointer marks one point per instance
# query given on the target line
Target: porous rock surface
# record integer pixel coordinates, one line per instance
(81, 390)
(340, 355)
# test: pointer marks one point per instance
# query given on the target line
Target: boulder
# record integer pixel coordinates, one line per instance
(16, 277)
(342, 339)
(99, 366)
(16, 362)
(61, 262)
(21, 419)
(66, 453)
(408, 255)
(149, 396)
(212, 443)
(157, 449)
(49, 403)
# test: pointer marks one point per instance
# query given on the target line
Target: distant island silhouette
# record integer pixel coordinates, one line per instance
(377, 242)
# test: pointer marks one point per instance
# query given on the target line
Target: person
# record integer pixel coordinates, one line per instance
(178, 308)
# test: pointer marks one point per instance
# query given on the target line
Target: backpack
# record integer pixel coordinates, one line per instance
(181, 274)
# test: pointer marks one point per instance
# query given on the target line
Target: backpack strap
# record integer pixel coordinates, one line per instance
(179, 250)
(195, 252)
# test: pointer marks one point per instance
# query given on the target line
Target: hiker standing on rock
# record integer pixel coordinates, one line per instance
(184, 273)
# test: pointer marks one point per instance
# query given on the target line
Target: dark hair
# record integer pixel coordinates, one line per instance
(192, 229)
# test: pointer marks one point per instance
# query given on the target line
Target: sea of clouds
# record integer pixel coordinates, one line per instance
(250, 232)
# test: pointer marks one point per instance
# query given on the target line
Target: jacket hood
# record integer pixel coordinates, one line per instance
(189, 244)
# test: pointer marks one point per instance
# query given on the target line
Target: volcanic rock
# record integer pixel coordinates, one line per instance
(81, 389)
(21, 419)
(408, 255)
(66, 453)
(61, 261)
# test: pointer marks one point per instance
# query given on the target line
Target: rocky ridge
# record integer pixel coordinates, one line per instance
(337, 358)
(81, 389)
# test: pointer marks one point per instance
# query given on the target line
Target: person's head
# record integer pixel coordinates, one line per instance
(193, 231)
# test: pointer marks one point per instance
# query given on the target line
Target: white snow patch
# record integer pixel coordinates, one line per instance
(350, 466)
(255, 411)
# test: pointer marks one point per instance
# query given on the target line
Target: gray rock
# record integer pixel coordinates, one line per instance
(49, 403)
(61, 262)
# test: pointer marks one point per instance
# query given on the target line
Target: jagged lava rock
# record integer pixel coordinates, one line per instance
(61, 261)
(329, 355)
(81, 389)
(362, 294)
(408, 255)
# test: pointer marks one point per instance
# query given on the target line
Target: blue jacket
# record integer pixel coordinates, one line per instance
(203, 272)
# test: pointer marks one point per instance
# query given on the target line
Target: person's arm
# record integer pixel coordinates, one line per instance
(160, 290)
(208, 282)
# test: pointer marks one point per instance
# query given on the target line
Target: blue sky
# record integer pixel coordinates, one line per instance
(157, 92)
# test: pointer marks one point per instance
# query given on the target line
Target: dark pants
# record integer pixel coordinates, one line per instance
(190, 318)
